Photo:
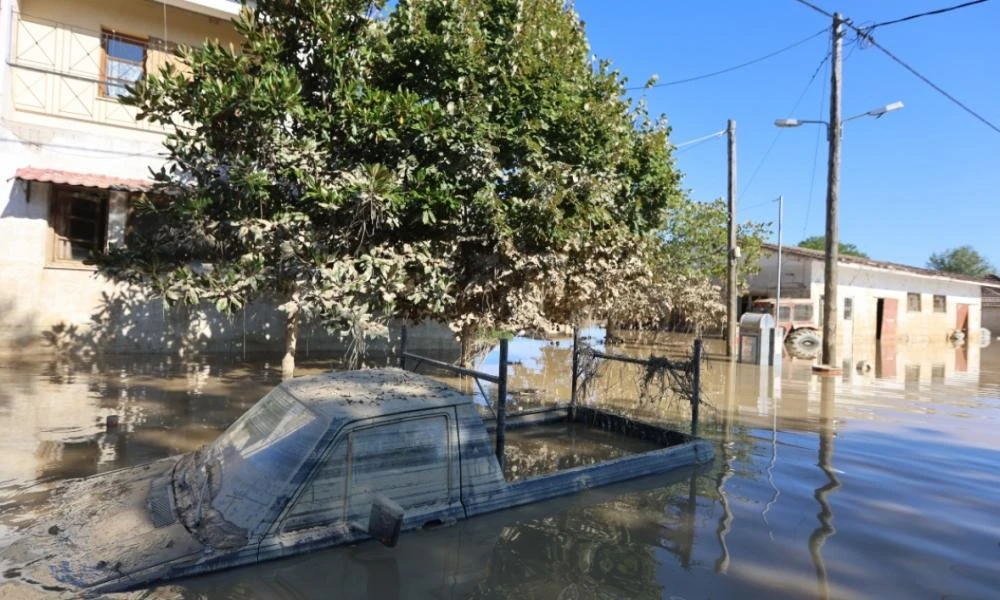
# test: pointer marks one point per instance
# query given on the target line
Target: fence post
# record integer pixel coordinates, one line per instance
(402, 347)
(501, 402)
(696, 382)
(576, 372)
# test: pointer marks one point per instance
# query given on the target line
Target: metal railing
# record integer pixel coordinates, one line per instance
(500, 379)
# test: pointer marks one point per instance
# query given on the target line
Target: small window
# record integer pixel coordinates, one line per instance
(940, 304)
(848, 309)
(784, 313)
(78, 218)
(802, 312)
(912, 302)
(124, 62)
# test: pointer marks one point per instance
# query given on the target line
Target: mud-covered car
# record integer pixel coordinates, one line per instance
(319, 461)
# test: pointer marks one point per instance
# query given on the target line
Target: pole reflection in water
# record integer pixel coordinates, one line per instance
(775, 396)
(825, 516)
(726, 520)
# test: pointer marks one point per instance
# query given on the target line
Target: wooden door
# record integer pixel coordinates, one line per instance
(962, 320)
(887, 325)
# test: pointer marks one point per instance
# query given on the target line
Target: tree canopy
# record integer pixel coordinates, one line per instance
(818, 242)
(963, 260)
(461, 160)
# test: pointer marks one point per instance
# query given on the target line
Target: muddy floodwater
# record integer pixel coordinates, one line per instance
(882, 483)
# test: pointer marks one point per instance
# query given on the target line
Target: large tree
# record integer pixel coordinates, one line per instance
(818, 242)
(462, 160)
(963, 260)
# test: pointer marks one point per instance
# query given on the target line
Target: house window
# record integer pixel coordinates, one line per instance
(940, 304)
(124, 62)
(848, 309)
(912, 302)
(78, 218)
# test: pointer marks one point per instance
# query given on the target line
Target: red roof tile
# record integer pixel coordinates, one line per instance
(93, 180)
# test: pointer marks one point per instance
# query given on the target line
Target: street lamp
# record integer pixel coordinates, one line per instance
(875, 112)
(833, 132)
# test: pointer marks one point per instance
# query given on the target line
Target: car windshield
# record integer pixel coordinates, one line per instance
(250, 465)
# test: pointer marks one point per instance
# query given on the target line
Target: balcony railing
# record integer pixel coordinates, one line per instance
(66, 71)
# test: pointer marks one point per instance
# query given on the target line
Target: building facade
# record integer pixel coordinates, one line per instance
(73, 158)
(878, 301)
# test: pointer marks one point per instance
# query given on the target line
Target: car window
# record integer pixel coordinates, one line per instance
(802, 312)
(407, 461)
(322, 500)
(260, 453)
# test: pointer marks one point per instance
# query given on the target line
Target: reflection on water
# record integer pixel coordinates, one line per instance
(880, 483)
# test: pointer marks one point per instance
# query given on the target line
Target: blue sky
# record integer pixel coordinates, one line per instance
(919, 180)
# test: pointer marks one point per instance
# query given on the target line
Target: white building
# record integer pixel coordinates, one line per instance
(878, 301)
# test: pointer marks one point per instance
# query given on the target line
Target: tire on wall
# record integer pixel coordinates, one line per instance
(804, 343)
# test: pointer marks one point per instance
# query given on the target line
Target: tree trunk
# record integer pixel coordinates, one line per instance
(468, 339)
(291, 338)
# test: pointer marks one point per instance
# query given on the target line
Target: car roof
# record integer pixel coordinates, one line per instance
(371, 393)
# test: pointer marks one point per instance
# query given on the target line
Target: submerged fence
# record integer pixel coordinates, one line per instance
(686, 376)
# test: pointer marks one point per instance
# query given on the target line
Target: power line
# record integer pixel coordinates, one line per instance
(812, 178)
(701, 139)
(777, 135)
(925, 14)
(815, 8)
(733, 68)
(868, 39)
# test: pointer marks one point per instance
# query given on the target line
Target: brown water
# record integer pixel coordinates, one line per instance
(883, 483)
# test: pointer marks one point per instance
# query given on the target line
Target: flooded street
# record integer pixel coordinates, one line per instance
(881, 483)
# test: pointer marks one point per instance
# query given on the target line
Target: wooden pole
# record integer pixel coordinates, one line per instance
(731, 307)
(696, 383)
(830, 271)
(501, 402)
(576, 373)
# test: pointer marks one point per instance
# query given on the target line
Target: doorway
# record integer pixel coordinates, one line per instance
(879, 311)
(962, 320)
(885, 319)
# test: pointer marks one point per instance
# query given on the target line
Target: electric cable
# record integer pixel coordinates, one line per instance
(865, 37)
(925, 14)
(777, 135)
(730, 69)
(812, 178)
(870, 40)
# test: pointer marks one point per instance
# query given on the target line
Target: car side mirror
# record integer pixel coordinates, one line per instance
(385, 521)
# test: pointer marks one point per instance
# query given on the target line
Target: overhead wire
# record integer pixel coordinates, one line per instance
(812, 178)
(870, 40)
(864, 36)
(703, 138)
(732, 68)
(939, 11)
(777, 135)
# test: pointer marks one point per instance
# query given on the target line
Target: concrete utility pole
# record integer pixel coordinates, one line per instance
(830, 271)
(731, 315)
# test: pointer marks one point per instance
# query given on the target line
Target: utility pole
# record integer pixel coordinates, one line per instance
(832, 191)
(731, 259)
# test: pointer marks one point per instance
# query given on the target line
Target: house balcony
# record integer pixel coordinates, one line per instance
(68, 65)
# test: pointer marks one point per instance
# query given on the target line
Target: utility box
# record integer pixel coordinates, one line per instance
(756, 335)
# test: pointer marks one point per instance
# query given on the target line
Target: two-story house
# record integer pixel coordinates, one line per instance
(72, 156)
(72, 159)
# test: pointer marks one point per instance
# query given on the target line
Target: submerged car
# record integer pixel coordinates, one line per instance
(319, 461)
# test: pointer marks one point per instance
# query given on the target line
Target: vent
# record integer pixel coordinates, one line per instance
(161, 502)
